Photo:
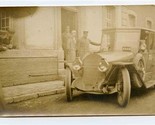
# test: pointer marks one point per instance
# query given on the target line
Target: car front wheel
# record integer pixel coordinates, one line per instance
(123, 87)
(69, 90)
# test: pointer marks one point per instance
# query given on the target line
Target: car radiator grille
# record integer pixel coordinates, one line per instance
(91, 75)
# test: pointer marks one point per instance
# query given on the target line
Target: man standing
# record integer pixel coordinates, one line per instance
(65, 37)
(83, 45)
(71, 47)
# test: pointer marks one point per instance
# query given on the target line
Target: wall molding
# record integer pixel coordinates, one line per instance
(28, 54)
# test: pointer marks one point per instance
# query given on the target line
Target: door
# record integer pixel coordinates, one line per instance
(151, 56)
(148, 54)
(68, 18)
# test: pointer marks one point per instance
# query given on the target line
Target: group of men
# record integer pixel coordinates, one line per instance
(74, 47)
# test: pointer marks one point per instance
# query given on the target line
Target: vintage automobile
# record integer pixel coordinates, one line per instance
(126, 60)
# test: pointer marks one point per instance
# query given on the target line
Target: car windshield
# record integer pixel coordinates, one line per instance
(106, 42)
(149, 38)
(127, 39)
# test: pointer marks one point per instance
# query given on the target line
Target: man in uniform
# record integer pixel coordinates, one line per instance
(83, 45)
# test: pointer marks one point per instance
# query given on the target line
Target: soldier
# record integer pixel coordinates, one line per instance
(71, 47)
(65, 37)
(83, 45)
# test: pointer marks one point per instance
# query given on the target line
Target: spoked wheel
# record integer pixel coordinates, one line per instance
(69, 90)
(124, 87)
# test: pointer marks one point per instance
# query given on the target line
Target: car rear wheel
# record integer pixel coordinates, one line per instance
(69, 90)
(123, 87)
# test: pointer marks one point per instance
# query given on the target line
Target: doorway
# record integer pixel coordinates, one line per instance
(68, 18)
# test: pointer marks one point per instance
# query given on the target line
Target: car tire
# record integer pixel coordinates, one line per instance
(68, 81)
(124, 87)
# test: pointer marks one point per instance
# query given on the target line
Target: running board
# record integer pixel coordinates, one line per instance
(149, 84)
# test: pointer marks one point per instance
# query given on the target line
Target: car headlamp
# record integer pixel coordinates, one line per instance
(103, 66)
(77, 64)
(77, 67)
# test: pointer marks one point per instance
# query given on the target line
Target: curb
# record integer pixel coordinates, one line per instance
(20, 98)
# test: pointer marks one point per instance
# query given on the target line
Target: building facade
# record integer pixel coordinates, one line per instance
(37, 53)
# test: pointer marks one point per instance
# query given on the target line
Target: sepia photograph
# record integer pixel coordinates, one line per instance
(77, 60)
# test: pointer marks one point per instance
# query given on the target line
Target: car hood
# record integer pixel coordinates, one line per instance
(117, 56)
(91, 76)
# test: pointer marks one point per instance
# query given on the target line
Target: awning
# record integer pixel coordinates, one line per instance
(18, 12)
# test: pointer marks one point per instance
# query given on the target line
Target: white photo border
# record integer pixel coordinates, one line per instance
(115, 120)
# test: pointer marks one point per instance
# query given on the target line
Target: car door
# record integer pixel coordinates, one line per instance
(150, 56)
(151, 52)
(145, 36)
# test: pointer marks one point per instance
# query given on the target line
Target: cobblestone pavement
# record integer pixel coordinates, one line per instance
(142, 102)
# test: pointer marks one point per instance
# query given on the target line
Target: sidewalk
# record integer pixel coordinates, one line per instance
(29, 91)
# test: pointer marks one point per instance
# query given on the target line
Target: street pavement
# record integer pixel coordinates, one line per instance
(24, 92)
(142, 102)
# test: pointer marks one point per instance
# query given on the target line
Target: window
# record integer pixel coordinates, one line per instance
(149, 24)
(132, 20)
(5, 21)
(151, 41)
(110, 17)
(6, 30)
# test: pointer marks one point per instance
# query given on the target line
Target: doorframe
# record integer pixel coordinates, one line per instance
(73, 9)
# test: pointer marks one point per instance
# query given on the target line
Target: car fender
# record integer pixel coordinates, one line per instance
(113, 72)
(137, 81)
(69, 65)
(74, 73)
(137, 58)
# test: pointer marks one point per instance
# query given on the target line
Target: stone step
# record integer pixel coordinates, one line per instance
(29, 91)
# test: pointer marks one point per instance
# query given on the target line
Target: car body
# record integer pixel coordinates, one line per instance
(118, 69)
